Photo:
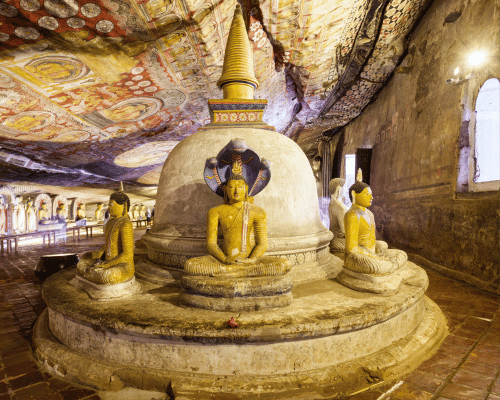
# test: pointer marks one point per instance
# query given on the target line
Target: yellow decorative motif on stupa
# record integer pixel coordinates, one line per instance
(238, 79)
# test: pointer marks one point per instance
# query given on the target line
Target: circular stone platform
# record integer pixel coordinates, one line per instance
(331, 341)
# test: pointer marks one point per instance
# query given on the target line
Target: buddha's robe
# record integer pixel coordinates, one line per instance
(245, 236)
(337, 211)
(118, 251)
(363, 253)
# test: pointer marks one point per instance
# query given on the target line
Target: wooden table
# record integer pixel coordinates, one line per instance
(139, 222)
(88, 230)
(46, 235)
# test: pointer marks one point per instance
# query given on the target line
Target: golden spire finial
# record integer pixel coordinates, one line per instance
(359, 175)
(238, 79)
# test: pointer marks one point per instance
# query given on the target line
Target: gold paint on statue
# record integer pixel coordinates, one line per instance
(113, 262)
(244, 228)
(238, 79)
(363, 253)
(80, 212)
(43, 213)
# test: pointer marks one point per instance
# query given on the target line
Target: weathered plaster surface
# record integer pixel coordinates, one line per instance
(416, 129)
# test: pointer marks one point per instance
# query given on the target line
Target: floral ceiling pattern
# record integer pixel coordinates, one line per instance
(104, 89)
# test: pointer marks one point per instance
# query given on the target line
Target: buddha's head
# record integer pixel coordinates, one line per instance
(335, 186)
(80, 206)
(361, 194)
(236, 187)
(30, 202)
(236, 190)
(43, 205)
(119, 204)
(99, 206)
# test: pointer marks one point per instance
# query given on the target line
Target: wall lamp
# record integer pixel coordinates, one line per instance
(476, 58)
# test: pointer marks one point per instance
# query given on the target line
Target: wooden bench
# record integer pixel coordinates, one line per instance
(46, 235)
(139, 222)
(88, 230)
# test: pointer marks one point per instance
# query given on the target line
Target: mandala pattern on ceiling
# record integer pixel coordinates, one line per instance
(48, 23)
(30, 120)
(26, 33)
(61, 8)
(91, 10)
(75, 23)
(57, 69)
(30, 5)
(137, 70)
(8, 10)
(146, 154)
(104, 26)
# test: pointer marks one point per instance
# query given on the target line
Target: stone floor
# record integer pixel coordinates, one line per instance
(466, 367)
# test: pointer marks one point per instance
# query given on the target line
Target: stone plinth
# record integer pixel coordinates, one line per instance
(101, 292)
(327, 343)
(236, 294)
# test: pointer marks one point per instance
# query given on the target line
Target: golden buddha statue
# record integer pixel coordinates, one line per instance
(369, 265)
(61, 213)
(244, 228)
(80, 212)
(113, 262)
(43, 213)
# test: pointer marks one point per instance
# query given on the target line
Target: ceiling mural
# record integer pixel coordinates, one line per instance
(104, 89)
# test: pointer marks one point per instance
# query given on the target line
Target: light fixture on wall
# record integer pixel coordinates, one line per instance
(476, 58)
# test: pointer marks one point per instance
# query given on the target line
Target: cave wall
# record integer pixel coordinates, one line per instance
(418, 129)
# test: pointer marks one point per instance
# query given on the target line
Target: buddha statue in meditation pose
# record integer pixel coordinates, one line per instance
(337, 210)
(99, 214)
(242, 223)
(61, 212)
(113, 262)
(80, 212)
(368, 265)
(43, 213)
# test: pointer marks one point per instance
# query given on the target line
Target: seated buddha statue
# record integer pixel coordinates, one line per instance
(61, 213)
(368, 265)
(240, 221)
(113, 262)
(337, 210)
(99, 214)
(43, 214)
(80, 212)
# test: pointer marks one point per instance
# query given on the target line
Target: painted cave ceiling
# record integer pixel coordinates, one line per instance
(96, 91)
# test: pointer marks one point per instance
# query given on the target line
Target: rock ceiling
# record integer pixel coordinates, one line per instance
(96, 91)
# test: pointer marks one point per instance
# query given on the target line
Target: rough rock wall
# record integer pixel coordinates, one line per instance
(416, 129)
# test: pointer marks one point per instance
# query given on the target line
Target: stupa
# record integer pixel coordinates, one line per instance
(330, 341)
